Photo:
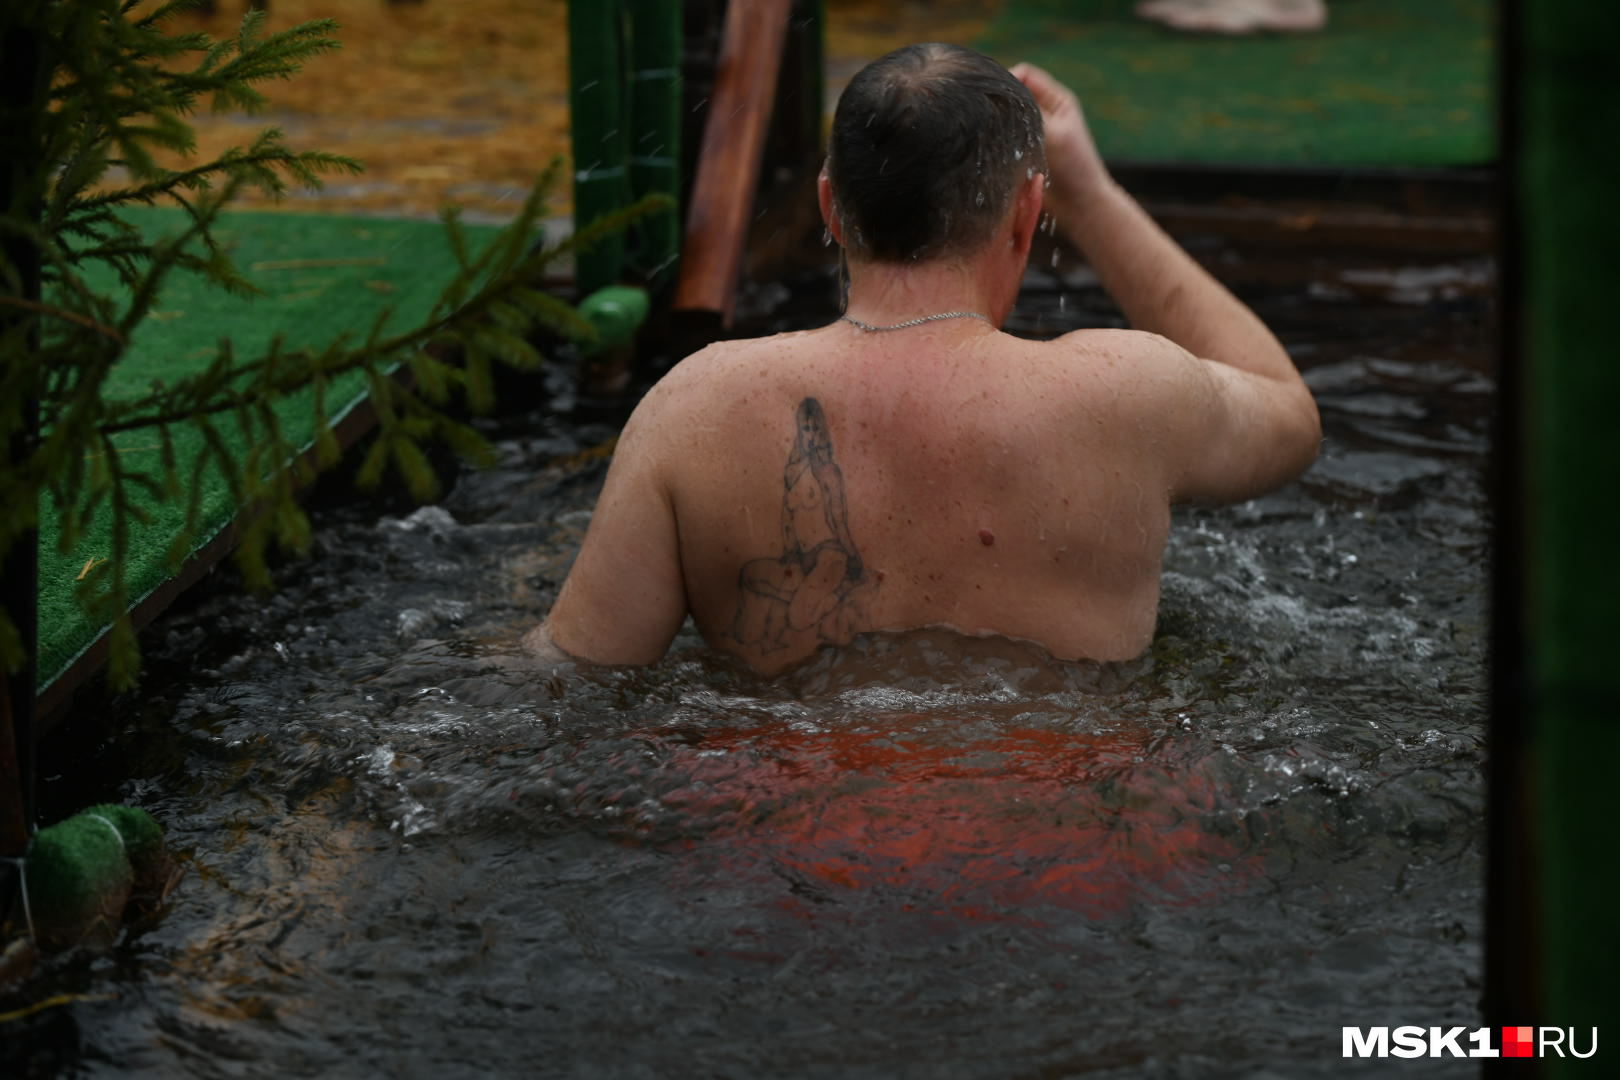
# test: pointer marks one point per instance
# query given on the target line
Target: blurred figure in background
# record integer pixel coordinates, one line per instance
(1236, 16)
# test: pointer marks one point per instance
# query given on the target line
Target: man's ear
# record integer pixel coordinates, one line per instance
(829, 207)
(1026, 213)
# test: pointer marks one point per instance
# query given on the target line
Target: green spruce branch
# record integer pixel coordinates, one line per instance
(120, 88)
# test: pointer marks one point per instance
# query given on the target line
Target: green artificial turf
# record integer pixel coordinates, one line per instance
(371, 264)
(1388, 83)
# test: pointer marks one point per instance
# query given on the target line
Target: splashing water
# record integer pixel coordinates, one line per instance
(409, 844)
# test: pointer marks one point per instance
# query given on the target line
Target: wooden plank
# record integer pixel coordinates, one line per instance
(1328, 226)
(722, 203)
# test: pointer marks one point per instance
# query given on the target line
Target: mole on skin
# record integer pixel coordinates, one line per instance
(986, 537)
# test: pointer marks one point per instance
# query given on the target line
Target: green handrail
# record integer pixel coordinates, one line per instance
(625, 114)
(599, 140)
(1567, 173)
(655, 131)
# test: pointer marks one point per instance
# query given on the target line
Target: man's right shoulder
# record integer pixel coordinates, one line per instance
(1222, 432)
(1105, 344)
(1126, 362)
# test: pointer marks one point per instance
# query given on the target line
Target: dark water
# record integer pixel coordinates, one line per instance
(920, 856)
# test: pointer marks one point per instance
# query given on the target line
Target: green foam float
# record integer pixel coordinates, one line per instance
(617, 313)
(81, 872)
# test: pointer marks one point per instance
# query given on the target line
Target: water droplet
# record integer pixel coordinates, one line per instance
(978, 200)
(826, 238)
(1018, 155)
(1054, 258)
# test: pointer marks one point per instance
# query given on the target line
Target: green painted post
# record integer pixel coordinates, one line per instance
(598, 133)
(1567, 186)
(655, 131)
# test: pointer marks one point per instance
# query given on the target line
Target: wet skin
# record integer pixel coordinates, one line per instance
(789, 492)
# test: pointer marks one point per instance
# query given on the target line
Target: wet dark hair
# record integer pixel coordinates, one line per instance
(929, 144)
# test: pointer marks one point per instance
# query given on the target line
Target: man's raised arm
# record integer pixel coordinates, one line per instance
(625, 597)
(1251, 423)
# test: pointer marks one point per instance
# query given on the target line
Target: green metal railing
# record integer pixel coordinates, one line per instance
(1565, 89)
(625, 103)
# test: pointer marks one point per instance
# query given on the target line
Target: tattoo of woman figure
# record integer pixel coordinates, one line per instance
(818, 583)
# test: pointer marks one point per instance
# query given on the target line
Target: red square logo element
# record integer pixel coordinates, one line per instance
(1518, 1042)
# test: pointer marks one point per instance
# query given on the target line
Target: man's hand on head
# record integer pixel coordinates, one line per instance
(1242, 419)
(1074, 166)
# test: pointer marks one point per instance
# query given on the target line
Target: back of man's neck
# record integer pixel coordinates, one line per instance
(884, 294)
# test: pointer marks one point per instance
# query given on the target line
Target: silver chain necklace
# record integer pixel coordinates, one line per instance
(871, 329)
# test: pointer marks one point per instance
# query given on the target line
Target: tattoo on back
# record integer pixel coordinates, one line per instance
(818, 583)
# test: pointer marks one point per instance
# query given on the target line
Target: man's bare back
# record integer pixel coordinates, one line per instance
(829, 482)
(790, 492)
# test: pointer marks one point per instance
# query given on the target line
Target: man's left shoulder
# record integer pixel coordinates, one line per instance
(694, 389)
(741, 353)
(720, 372)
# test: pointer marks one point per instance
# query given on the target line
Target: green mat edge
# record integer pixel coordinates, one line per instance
(47, 674)
(44, 682)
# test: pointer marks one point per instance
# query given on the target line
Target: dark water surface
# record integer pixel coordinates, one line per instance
(920, 856)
